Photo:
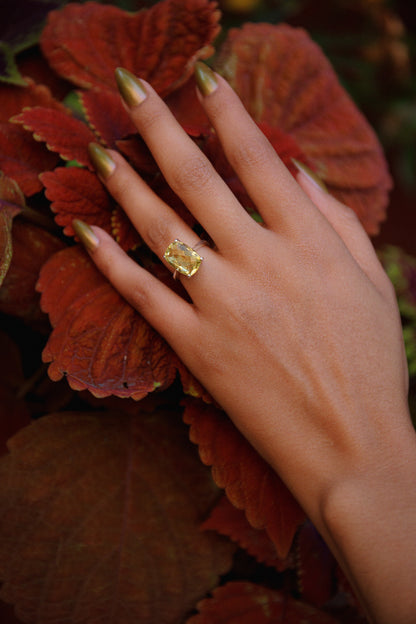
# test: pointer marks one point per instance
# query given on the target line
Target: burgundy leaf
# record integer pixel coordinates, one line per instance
(106, 116)
(249, 482)
(232, 522)
(86, 43)
(100, 517)
(22, 159)
(99, 341)
(285, 80)
(61, 132)
(188, 110)
(14, 99)
(78, 194)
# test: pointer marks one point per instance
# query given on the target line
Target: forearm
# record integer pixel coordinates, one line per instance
(369, 521)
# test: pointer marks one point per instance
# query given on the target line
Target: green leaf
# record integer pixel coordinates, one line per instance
(8, 69)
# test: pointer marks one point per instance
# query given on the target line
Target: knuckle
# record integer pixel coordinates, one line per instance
(119, 187)
(157, 234)
(149, 117)
(139, 298)
(193, 174)
(252, 153)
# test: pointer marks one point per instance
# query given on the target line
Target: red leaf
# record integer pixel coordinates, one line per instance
(78, 194)
(85, 43)
(285, 80)
(22, 159)
(247, 603)
(11, 203)
(67, 136)
(99, 341)
(123, 231)
(14, 99)
(249, 482)
(188, 110)
(100, 520)
(36, 66)
(106, 116)
(32, 246)
(232, 522)
(138, 154)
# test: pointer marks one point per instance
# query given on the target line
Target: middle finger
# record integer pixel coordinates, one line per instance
(186, 169)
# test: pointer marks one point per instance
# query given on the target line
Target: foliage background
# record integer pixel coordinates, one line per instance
(371, 44)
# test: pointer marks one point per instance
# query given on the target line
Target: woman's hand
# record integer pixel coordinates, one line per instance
(293, 326)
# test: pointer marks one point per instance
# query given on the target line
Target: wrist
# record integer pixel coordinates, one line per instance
(369, 521)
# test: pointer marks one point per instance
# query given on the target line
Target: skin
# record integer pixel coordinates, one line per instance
(293, 328)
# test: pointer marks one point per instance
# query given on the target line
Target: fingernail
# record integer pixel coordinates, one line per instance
(311, 175)
(205, 78)
(85, 234)
(131, 88)
(101, 160)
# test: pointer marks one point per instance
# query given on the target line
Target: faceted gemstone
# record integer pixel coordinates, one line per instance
(183, 258)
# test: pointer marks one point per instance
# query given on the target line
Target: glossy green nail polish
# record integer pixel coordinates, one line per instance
(131, 88)
(205, 78)
(300, 166)
(85, 234)
(101, 159)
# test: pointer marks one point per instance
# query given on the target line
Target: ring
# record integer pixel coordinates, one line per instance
(184, 259)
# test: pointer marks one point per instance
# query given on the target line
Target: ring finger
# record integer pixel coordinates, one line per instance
(156, 222)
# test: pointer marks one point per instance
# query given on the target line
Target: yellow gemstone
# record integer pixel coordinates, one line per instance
(183, 258)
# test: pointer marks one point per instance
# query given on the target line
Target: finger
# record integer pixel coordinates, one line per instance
(347, 225)
(187, 171)
(155, 221)
(167, 312)
(267, 180)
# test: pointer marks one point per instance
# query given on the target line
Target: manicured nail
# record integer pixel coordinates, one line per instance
(85, 234)
(205, 78)
(101, 159)
(311, 175)
(131, 88)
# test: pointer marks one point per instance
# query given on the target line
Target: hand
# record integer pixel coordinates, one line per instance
(293, 327)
